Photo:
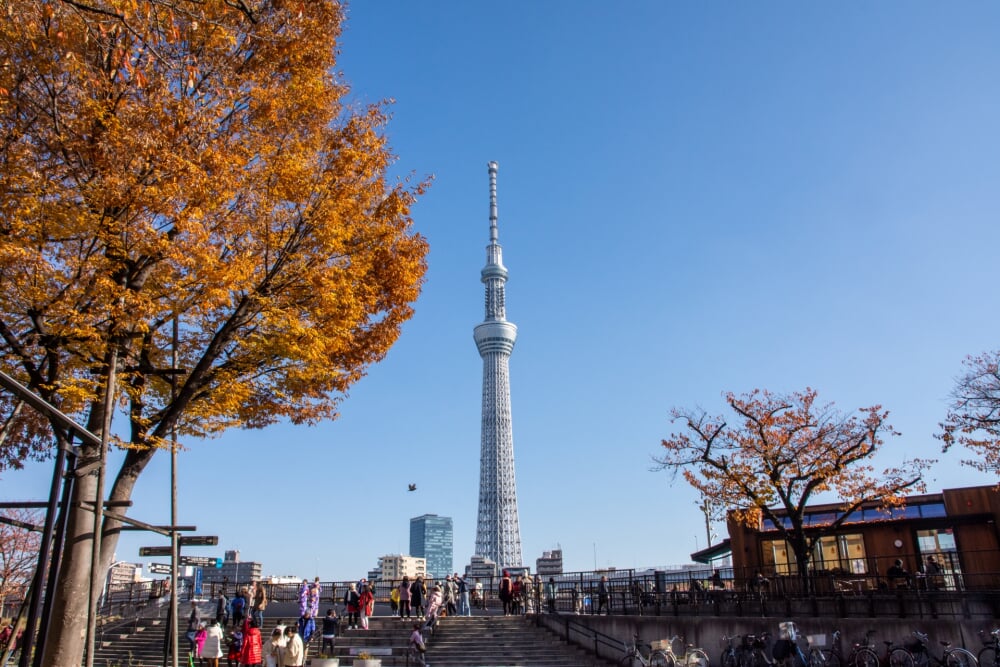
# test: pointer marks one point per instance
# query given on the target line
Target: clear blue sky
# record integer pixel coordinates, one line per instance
(693, 198)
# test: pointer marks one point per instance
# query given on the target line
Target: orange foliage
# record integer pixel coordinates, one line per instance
(193, 162)
(196, 161)
(783, 450)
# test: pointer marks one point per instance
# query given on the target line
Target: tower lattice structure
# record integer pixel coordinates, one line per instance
(498, 533)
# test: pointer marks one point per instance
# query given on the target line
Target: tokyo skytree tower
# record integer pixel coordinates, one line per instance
(498, 535)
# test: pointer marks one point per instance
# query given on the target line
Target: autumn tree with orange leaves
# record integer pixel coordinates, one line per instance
(169, 161)
(778, 453)
(973, 419)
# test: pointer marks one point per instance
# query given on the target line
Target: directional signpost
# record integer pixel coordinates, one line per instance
(154, 551)
(201, 561)
(198, 540)
(159, 568)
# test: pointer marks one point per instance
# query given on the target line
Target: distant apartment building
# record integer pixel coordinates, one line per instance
(395, 567)
(550, 563)
(233, 571)
(122, 573)
(481, 567)
(431, 538)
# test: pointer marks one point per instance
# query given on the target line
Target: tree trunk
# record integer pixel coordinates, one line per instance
(68, 625)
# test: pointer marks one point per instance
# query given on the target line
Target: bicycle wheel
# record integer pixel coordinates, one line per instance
(864, 657)
(988, 657)
(760, 658)
(695, 657)
(828, 657)
(900, 657)
(959, 657)
(660, 659)
(630, 660)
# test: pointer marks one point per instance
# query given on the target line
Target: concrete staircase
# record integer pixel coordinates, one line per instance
(477, 641)
(139, 642)
(508, 641)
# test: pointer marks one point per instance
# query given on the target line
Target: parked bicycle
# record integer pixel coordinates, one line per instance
(732, 654)
(989, 655)
(920, 654)
(862, 653)
(634, 658)
(755, 651)
(692, 657)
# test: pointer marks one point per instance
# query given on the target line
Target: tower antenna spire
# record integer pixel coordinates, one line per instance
(493, 201)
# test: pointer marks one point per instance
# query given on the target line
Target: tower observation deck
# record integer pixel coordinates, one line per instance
(498, 534)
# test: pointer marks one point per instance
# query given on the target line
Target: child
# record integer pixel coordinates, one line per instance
(235, 646)
(417, 645)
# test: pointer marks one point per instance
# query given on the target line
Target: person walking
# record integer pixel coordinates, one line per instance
(550, 595)
(506, 592)
(211, 650)
(366, 605)
(603, 595)
(238, 605)
(259, 604)
(434, 603)
(272, 652)
(252, 653)
(352, 601)
(306, 627)
(331, 626)
(192, 628)
(479, 595)
(394, 601)
(314, 592)
(294, 653)
(450, 593)
(417, 645)
(464, 608)
(200, 637)
(221, 609)
(417, 594)
(303, 597)
(404, 597)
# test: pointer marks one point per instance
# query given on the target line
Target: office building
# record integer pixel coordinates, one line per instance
(431, 538)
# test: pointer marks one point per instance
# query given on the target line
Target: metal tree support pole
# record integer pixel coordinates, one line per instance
(58, 542)
(172, 624)
(95, 551)
(44, 549)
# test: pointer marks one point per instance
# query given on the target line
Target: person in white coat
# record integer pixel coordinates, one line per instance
(294, 654)
(211, 651)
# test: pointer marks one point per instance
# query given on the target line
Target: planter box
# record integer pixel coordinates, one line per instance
(325, 662)
(371, 662)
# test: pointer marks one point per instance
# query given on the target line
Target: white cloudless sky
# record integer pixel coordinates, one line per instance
(694, 198)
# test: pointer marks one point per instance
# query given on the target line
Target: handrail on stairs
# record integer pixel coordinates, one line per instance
(575, 632)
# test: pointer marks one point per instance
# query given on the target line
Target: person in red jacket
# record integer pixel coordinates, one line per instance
(252, 652)
(366, 605)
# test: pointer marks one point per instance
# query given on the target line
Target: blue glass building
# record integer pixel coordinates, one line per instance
(431, 538)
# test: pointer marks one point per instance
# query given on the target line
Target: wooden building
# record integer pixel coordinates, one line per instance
(957, 528)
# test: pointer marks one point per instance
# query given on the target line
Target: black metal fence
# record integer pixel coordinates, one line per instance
(701, 591)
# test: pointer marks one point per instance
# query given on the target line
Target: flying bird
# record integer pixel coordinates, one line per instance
(413, 487)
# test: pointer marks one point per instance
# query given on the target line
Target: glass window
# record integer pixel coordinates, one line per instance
(939, 545)
(854, 517)
(908, 512)
(932, 510)
(872, 514)
(822, 518)
(778, 557)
